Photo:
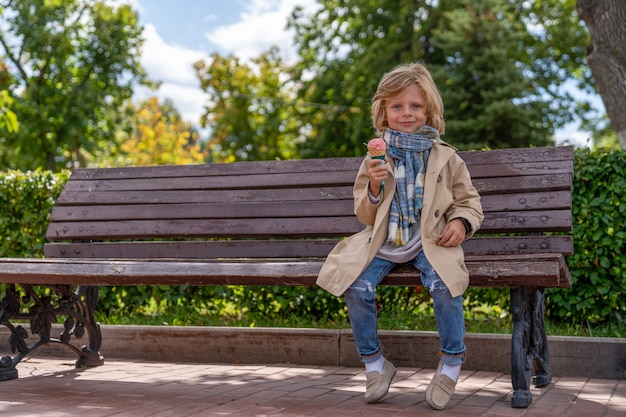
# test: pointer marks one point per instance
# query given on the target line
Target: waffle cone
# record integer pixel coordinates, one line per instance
(374, 152)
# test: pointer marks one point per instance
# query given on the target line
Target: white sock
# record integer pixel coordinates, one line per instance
(452, 371)
(377, 365)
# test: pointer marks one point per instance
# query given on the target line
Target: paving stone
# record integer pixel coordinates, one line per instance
(50, 387)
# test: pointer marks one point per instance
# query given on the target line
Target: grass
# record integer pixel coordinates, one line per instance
(479, 319)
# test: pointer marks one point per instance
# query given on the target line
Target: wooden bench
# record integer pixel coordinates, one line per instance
(272, 223)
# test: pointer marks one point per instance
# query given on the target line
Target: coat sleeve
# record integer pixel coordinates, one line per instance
(466, 200)
(364, 209)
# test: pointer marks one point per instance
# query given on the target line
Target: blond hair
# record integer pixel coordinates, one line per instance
(400, 78)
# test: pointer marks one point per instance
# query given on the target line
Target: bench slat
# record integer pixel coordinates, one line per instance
(493, 157)
(287, 248)
(536, 183)
(520, 169)
(276, 226)
(527, 201)
(250, 227)
(542, 270)
(152, 190)
(526, 245)
(517, 155)
(302, 166)
(514, 270)
(203, 196)
(320, 208)
(234, 182)
(340, 205)
(527, 221)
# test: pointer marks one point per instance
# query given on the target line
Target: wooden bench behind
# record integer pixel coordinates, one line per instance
(299, 210)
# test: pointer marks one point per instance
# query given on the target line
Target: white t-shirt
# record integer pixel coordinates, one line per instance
(400, 254)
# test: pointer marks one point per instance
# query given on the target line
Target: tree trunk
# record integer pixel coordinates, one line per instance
(606, 56)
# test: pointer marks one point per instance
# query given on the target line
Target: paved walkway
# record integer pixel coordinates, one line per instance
(52, 387)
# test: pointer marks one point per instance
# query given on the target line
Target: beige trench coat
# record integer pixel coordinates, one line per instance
(448, 194)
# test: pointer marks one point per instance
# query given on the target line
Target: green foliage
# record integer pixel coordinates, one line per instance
(499, 64)
(69, 66)
(8, 119)
(26, 200)
(244, 305)
(155, 135)
(251, 111)
(483, 76)
(598, 265)
(344, 50)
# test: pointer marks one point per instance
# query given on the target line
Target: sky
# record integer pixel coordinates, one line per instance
(183, 32)
(179, 33)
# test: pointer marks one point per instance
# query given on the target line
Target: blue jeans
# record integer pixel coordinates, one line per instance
(361, 302)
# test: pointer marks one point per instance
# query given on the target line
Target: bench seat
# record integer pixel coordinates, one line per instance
(541, 270)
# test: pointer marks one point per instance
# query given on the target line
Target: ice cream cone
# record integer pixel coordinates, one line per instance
(376, 153)
(376, 149)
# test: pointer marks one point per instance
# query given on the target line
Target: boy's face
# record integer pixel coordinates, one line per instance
(406, 112)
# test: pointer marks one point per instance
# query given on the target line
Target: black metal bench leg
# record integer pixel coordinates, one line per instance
(90, 353)
(529, 344)
(77, 307)
(543, 374)
(7, 369)
(9, 306)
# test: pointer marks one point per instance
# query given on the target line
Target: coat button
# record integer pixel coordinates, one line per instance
(436, 213)
(439, 178)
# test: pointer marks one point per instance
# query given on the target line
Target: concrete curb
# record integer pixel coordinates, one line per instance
(569, 356)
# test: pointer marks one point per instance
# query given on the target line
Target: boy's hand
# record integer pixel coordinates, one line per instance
(453, 234)
(378, 174)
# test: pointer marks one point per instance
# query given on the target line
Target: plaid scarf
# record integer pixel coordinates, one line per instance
(410, 154)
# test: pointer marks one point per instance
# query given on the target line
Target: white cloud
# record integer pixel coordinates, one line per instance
(570, 135)
(172, 65)
(263, 25)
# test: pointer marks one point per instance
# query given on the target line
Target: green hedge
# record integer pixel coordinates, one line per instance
(598, 265)
(26, 200)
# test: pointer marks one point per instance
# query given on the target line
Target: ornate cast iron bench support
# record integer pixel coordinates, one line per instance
(43, 308)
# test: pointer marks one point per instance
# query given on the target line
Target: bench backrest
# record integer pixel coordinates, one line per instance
(299, 208)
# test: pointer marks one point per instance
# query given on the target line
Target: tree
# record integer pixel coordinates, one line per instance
(484, 78)
(250, 111)
(156, 135)
(607, 56)
(490, 59)
(344, 50)
(69, 64)
(8, 119)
